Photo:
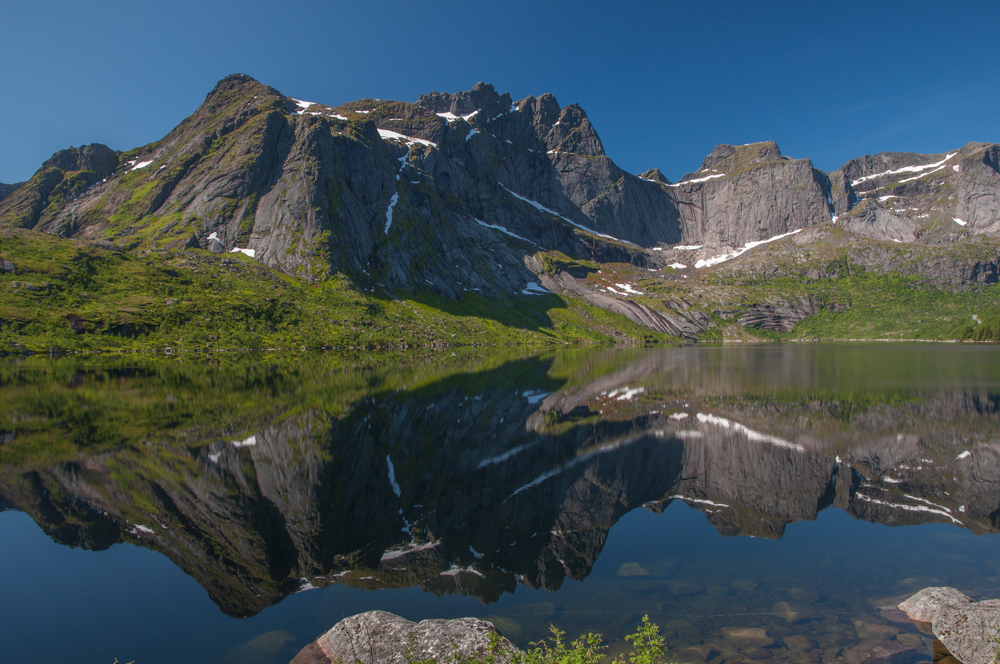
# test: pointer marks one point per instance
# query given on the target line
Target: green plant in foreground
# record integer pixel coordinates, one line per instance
(648, 646)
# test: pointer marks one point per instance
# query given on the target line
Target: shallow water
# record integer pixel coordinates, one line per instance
(170, 511)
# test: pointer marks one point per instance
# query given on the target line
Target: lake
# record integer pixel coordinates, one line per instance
(223, 508)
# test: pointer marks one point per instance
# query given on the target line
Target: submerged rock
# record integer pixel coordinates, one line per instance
(747, 637)
(379, 637)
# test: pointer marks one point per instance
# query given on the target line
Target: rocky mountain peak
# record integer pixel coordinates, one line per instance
(737, 157)
(94, 157)
(482, 97)
(655, 175)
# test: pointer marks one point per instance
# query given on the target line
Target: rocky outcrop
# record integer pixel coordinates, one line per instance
(970, 631)
(379, 637)
(6, 189)
(746, 194)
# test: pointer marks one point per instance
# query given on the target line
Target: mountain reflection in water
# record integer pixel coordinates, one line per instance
(471, 473)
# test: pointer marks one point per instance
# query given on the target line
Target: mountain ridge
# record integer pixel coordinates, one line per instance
(473, 192)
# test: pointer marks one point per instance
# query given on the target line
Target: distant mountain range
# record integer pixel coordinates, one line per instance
(473, 191)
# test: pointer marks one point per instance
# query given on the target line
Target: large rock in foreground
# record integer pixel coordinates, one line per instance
(379, 637)
(967, 629)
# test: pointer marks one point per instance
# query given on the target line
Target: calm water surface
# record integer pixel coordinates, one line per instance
(186, 511)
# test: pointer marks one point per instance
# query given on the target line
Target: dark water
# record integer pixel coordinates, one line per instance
(179, 511)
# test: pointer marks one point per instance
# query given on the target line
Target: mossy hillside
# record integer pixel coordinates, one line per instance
(78, 296)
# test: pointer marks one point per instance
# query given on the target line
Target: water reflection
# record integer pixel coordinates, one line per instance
(472, 474)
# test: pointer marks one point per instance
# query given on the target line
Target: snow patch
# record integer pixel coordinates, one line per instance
(392, 477)
(706, 262)
(503, 230)
(141, 164)
(396, 136)
(628, 289)
(471, 134)
(388, 211)
(398, 553)
(696, 180)
(700, 501)
(542, 208)
(144, 529)
(451, 117)
(678, 416)
(959, 221)
(678, 266)
(964, 455)
(906, 169)
(534, 397)
(534, 289)
(248, 442)
(754, 436)
(249, 252)
(454, 571)
(500, 458)
(908, 508)
(688, 247)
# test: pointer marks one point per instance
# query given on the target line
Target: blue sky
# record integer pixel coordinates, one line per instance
(663, 82)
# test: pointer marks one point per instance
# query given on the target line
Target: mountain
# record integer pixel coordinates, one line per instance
(473, 192)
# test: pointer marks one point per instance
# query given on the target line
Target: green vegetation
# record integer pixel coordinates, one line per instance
(71, 295)
(647, 647)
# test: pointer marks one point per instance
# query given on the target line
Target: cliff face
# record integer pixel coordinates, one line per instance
(749, 193)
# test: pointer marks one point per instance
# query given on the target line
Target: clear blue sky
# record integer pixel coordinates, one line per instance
(663, 82)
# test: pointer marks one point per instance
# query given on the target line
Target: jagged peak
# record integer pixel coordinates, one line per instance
(482, 97)
(654, 175)
(94, 157)
(727, 157)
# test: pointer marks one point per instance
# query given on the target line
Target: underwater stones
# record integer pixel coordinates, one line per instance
(878, 652)
(874, 631)
(911, 640)
(685, 589)
(632, 569)
(379, 637)
(698, 653)
(924, 606)
(679, 628)
(717, 591)
(793, 613)
(745, 585)
(747, 637)
(798, 643)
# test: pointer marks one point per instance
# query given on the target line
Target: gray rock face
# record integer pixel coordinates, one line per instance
(970, 630)
(875, 222)
(379, 637)
(749, 193)
(928, 197)
(926, 605)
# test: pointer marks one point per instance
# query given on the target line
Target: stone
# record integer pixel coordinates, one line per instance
(717, 591)
(967, 630)
(879, 652)
(868, 631)
(746, 637)
(798, 643)
(755, 653)
(6, 267)
(744, 584)
(910, 640)
(680, 628)
(698, 653)
(925, 605)
(632, 569)
(379, 637)
(685, 589)
(793, 613)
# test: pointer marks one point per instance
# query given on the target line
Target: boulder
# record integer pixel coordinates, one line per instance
(379, 637)
(747, 637)
(6, 267)
(968, 630)
(926, 604)
(879, 652)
